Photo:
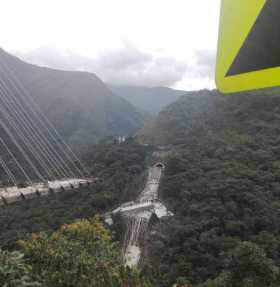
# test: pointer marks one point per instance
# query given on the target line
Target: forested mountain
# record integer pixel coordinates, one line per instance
(223, 185)
(79, 104)
(151, 100)
(222, 182)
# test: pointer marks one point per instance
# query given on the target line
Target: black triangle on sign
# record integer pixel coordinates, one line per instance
(261, 49)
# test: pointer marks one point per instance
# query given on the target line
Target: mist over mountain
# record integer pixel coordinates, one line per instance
(127, 65)
(79, 104)
(148, 99)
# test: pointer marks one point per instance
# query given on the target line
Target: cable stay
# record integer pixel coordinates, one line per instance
(10, 175)
(44, 122)
(32, 149)
(32, 132)
(36, 130)
(28, 179)
(25, 155)
(25, 140)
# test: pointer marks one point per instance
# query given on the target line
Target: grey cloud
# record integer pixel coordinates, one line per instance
(126, 66)
(151, 72)
(123, 59)
(129, 66)
(50, 58)
(205, 63)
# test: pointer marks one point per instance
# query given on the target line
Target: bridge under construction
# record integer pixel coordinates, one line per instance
(13, 194)
(34, 158)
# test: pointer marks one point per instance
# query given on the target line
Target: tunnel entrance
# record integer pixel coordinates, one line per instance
(160, 165)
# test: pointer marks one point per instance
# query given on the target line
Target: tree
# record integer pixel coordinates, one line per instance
(248, 266)
(81, 254)
(14, 272)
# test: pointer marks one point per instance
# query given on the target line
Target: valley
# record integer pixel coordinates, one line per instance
(179, 196)
(140, 143)
(149, 100)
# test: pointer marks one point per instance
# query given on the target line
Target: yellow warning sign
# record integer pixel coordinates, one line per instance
(249, 45)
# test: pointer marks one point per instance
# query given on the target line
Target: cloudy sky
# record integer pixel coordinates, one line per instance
(125, 42)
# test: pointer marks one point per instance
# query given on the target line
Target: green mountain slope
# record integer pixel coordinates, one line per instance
(151, 100)
(222, 183)
(79, 104)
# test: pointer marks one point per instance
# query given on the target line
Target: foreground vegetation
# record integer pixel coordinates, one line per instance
(81, 254)
(223, 185)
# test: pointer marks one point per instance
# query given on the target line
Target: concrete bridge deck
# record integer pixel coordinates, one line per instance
(13, 194)
(134, 207)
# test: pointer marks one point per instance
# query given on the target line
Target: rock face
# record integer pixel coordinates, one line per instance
(138, 214)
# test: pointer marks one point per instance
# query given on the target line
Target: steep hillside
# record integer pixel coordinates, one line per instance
(222, 183)
(79, 104)
(151, 100)
(208, 112)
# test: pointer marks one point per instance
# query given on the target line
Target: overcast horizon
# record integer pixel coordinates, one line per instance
(127, 42)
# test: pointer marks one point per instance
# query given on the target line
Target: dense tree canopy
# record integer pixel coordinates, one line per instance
(222, 183)
(119, 169)
(80, 254)
(15, 272)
